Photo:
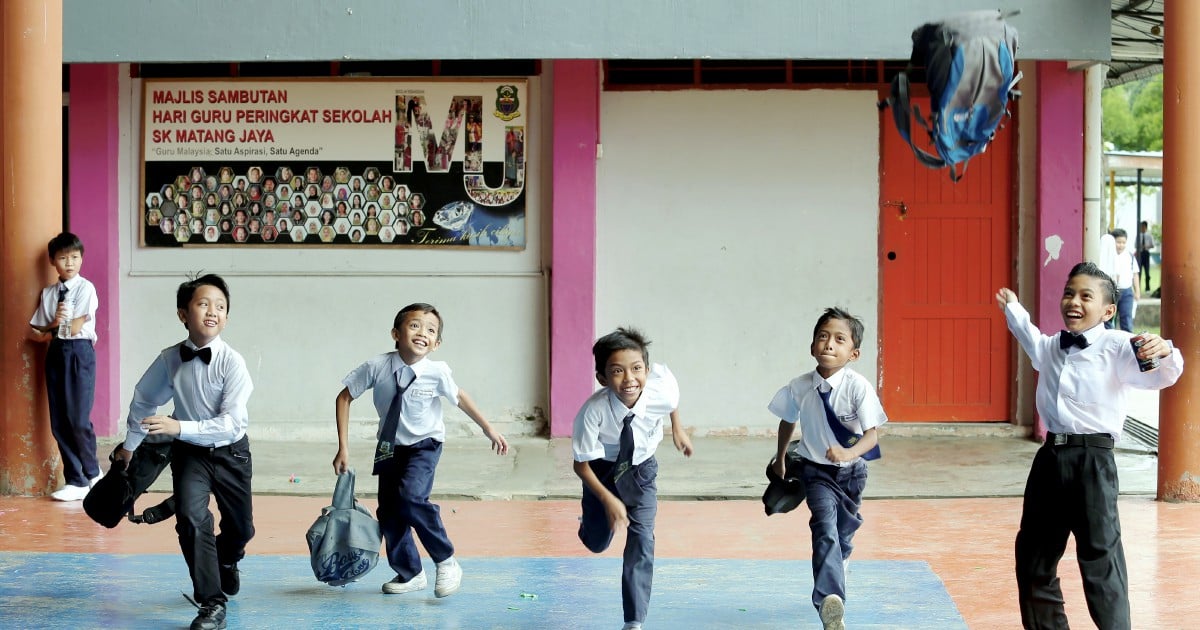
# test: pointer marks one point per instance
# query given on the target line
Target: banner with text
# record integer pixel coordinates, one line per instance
(334, 162)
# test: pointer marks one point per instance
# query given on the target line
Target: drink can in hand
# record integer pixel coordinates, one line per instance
(1145, 365)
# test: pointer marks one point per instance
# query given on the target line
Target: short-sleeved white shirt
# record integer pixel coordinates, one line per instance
(81, 294)
(853, 400)
(421, 413)
(597, 432)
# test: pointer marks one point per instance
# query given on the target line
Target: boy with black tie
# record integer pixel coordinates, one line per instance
(838, 412)
(615, 435)
(66, 317)
(408, 390)
(210, 386)
(1085, 373)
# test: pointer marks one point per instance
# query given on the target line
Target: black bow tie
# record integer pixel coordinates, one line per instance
(187, 354)
(1066, 339)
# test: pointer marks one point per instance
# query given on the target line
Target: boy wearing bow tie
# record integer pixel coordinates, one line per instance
(615, 436)
(1085, 373)
(210, 454)
(66, 317)
(838, 412)
(408, 388)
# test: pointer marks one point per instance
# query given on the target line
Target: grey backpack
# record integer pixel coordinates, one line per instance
(343, 543)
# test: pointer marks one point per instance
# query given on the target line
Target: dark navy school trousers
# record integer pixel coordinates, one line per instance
(71, 389)
(405, 482)
(638, 490)
(834, 498)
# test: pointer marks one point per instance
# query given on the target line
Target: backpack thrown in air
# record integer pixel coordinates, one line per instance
(969, 63)
(344, 541)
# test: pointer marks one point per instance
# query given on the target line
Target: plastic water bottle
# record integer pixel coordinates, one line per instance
(64, 328)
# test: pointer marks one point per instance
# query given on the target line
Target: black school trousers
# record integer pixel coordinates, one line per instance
(1072, 490)
(224, 472)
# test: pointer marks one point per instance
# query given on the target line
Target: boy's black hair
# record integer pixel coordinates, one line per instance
(1106, 283)
(1119, 233)
(855, 324)
(419, 307)
(183, 296)
(65, 241)
(624, 338)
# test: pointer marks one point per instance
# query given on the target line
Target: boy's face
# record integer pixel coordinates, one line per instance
(206, 315)
(833, 347)
(67, 263)
(1121, 241)
(1084, 303)
(417, 336)
(625, 374)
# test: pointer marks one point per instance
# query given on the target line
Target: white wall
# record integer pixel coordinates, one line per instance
(727, 222)
(304, 317)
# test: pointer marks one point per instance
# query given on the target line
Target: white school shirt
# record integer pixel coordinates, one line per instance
(81, 294)
(210, 399)
(421, 413)
(1126, 268)
(1084, 390)
(853, 400)
(597, 432)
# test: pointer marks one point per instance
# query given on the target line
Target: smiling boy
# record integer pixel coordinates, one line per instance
(616, 433)
(408, 390)
(210, 386)
(66, 317)
(1085, 373)
(838, 412)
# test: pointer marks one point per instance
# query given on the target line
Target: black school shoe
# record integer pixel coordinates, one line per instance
(211, 617)
(231, 581)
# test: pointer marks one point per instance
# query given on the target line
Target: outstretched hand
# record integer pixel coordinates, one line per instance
(1004, 296)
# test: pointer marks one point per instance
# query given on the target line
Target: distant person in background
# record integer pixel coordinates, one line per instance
(1126, 276)
(1145, 243)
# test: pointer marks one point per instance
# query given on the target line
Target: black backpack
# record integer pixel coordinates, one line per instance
(970, 65)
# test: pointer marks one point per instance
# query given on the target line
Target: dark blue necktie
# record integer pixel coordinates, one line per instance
(843, 435)
(625, 451)
(387, 435)
(62, 292)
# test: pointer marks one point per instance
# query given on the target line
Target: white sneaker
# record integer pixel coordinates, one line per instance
(449, 577)
(396, 586)
(94, 480)
(631, 625)
(832, 613)
(70, 493)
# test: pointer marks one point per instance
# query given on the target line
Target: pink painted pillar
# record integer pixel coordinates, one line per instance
(1059, 189)
(576, 133)
(93, 134)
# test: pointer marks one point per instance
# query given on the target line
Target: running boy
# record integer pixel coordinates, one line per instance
(210, 386)
(1085, 372)
(408, 389)
(838, 413)
(66, 317)
(616, 433)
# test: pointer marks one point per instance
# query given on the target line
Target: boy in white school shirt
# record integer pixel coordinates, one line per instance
(408, 390)
(210, 386)
(1084, 375)
(616, 433)
(838, 412)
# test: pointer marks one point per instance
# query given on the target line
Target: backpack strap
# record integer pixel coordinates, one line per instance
(343, 491)
(902, 111)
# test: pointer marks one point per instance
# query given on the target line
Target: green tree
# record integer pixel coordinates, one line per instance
(1133, 115)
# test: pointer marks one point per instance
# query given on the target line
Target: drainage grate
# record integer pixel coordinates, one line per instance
(1142, 432)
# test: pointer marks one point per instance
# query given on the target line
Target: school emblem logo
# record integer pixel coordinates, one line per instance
(507, 104)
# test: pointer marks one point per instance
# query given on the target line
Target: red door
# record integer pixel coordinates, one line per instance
(945, 249)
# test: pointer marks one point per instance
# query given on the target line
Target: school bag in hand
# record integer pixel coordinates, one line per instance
(112, 498)
(344, 541)
(969, 62)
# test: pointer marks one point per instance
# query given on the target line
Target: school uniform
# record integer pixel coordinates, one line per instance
(1072, 485)
(211, 455)
(833, 490)
(406, 478)
(1126, 275)
(596, 439)
(71, 377)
